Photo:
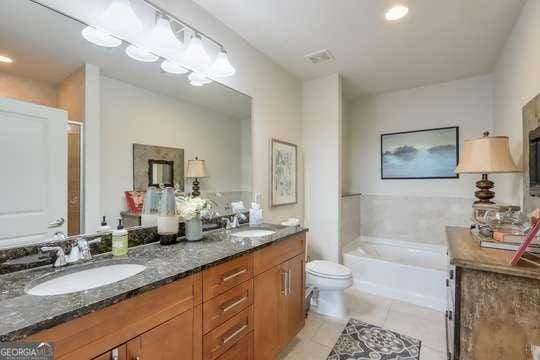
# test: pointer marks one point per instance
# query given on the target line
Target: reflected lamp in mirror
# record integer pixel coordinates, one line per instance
(486, 155)
(196, 169)
(160, 173)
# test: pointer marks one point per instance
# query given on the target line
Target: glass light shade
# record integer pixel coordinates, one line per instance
(198, 79)
(161, 40)
(100, 37)
(119, 18)
(195, 56)
(396, 12)
(140, 54)
(221, 67)
(173, 67)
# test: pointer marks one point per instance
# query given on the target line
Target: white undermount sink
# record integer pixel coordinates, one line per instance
(253, 233)
(86, 279)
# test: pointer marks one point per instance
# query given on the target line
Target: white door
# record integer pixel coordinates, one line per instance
(33, 172)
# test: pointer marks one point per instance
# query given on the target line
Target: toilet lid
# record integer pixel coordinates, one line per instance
(328, 269)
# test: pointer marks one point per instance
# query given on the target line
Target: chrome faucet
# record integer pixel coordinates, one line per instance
(80, 250)
(236, 219)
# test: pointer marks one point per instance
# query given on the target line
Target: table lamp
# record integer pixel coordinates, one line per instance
(486, 155)
(196, 169)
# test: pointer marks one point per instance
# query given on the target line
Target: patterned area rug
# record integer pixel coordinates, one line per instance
(363, 341)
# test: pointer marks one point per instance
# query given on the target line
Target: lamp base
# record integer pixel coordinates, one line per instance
(484, 195)
(195, 188)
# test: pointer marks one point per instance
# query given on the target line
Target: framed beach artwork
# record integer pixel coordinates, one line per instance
(420, 154)
(283, 173)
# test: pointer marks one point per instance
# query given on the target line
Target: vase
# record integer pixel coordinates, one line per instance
(194, 229)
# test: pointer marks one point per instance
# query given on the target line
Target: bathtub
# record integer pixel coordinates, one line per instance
(403, 270)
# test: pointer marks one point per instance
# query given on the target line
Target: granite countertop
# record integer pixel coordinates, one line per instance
(22, 314)
(465, 251)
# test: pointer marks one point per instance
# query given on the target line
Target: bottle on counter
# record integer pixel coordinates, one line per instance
(120, 240)
(103, 228)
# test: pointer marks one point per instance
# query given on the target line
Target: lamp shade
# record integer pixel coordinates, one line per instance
(486, 155)
(196, 169)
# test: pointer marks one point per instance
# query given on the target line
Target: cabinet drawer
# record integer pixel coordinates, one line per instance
(242, 350)
(226, 305)
(228, 334)
(278, 253)
(223, 277)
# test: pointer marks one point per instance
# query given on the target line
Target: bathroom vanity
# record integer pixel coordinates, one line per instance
(223, 298)
(493, 308)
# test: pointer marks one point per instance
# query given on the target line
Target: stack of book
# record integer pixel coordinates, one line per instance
(508, 242)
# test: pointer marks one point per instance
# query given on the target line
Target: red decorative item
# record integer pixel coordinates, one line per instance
(135, 200)
(531, 235)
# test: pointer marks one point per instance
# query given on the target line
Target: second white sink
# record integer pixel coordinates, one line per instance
(86, 279)
(253, 233)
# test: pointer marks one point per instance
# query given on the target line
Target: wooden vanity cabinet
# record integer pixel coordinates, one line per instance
(246, 308)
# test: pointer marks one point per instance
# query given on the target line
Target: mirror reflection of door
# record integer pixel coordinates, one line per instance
(74, 177)
(160, 173)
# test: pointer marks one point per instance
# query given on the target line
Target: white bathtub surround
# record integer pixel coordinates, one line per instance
(413, 218)
(330, 281)
(403, 270)
(350, 218)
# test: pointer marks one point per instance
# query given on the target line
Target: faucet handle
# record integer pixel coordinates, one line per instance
(60, 255)
(84, 247)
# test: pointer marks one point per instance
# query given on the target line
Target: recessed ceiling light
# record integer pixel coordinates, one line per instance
(6, 59)
(396, 12)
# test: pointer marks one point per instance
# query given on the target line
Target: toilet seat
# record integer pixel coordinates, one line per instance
(328, 269)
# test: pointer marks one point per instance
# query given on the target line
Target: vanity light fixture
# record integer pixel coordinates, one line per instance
(161, 40)
(100, 37)
(173, 67)
(195, 56)
(396, 12)
(198, 79)
(6, 59)
(120, 19)
(221, 67)
(138, 53)
(119, 23)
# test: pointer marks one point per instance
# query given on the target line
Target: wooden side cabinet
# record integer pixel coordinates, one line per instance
(278, 302)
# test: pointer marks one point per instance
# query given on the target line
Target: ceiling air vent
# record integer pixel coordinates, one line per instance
(320, 56)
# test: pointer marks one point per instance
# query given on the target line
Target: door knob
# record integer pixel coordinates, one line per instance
(57, 223)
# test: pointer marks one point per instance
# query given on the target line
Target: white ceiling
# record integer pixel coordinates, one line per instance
(52, 47)
(440, 40)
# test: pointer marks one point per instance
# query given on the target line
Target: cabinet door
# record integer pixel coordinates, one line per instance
(171, 340)
(291, 310)
(268, 290)
(118, 353)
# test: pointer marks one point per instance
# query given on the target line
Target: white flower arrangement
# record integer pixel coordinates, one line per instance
(188, 207)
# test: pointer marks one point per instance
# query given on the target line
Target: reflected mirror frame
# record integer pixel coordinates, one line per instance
(151, 172)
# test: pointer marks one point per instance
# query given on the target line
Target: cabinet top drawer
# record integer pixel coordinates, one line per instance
(223, 277)
(278, 253)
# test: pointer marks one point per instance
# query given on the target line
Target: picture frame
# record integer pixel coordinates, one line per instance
(283, 173)
(420, 154)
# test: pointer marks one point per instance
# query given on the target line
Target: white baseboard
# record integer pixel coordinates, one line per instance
(403, 295)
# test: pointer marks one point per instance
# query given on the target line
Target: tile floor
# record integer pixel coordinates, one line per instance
(316, 339)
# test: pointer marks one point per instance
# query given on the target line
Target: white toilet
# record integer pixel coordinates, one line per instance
(331, 280)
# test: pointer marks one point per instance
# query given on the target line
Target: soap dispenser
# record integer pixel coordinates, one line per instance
(103, 228)
(120, 240)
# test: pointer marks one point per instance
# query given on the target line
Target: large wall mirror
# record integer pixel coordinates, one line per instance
(71, 114)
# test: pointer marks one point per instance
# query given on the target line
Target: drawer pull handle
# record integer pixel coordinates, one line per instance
(238, 331)
(234, 304)
(284, 283)
(114, 354)
(232, 276)
(289, 282)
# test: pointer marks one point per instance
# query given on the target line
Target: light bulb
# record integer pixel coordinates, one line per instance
(173, 67)
(199, 78)
(396, 12)
(195, 83)
(195, 56)
(120, 19)
(5, 59)
(138, 53)
(221, 67)
(161, 40)
(100, 37)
